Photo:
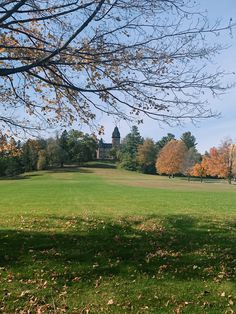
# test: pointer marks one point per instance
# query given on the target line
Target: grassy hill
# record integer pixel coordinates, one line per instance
(102, 240)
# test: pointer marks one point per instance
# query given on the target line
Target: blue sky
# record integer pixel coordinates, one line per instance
(208, 132)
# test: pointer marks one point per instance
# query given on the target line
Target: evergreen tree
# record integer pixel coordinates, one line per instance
(13, 166)
(165, 139)
(63, 140)
(188, 139)
(62, 151)
(129, 149)
(131, 142)
(30, 151)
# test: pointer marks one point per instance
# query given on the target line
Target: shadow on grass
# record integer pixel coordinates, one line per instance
(204, 180)
(101, 164)
(179, 247)
(21, 176)
(71, 169)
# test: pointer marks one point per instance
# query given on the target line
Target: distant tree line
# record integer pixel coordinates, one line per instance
(171, 157)
(39, 154)
(168, 156)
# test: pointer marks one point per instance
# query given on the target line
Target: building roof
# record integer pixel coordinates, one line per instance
(101, 144)
(107, 145)
(116, 133)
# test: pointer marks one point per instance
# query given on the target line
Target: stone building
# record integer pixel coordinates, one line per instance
(104, 149)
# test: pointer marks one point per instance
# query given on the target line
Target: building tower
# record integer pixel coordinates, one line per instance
(116, 138)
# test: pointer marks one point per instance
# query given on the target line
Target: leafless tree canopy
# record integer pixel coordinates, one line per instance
(64, 60)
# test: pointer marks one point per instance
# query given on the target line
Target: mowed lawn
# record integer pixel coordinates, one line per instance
(95, 240)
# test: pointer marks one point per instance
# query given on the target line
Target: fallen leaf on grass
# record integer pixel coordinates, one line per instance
(231, 302)
(23, 293)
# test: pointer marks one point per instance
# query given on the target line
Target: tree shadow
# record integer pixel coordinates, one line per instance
(179, 247)
(21, 177)
(72, 169)
(205, 180)
(101, 164)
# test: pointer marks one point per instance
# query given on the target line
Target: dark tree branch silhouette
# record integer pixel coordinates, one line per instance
(66, 61)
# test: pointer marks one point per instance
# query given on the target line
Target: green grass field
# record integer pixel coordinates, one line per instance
(95, 240)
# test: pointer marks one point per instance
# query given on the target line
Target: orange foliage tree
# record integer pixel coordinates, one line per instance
(220, 162)
(171, 158)
(216, 163)
(199, 170)
(8, 147)
(10, 157)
